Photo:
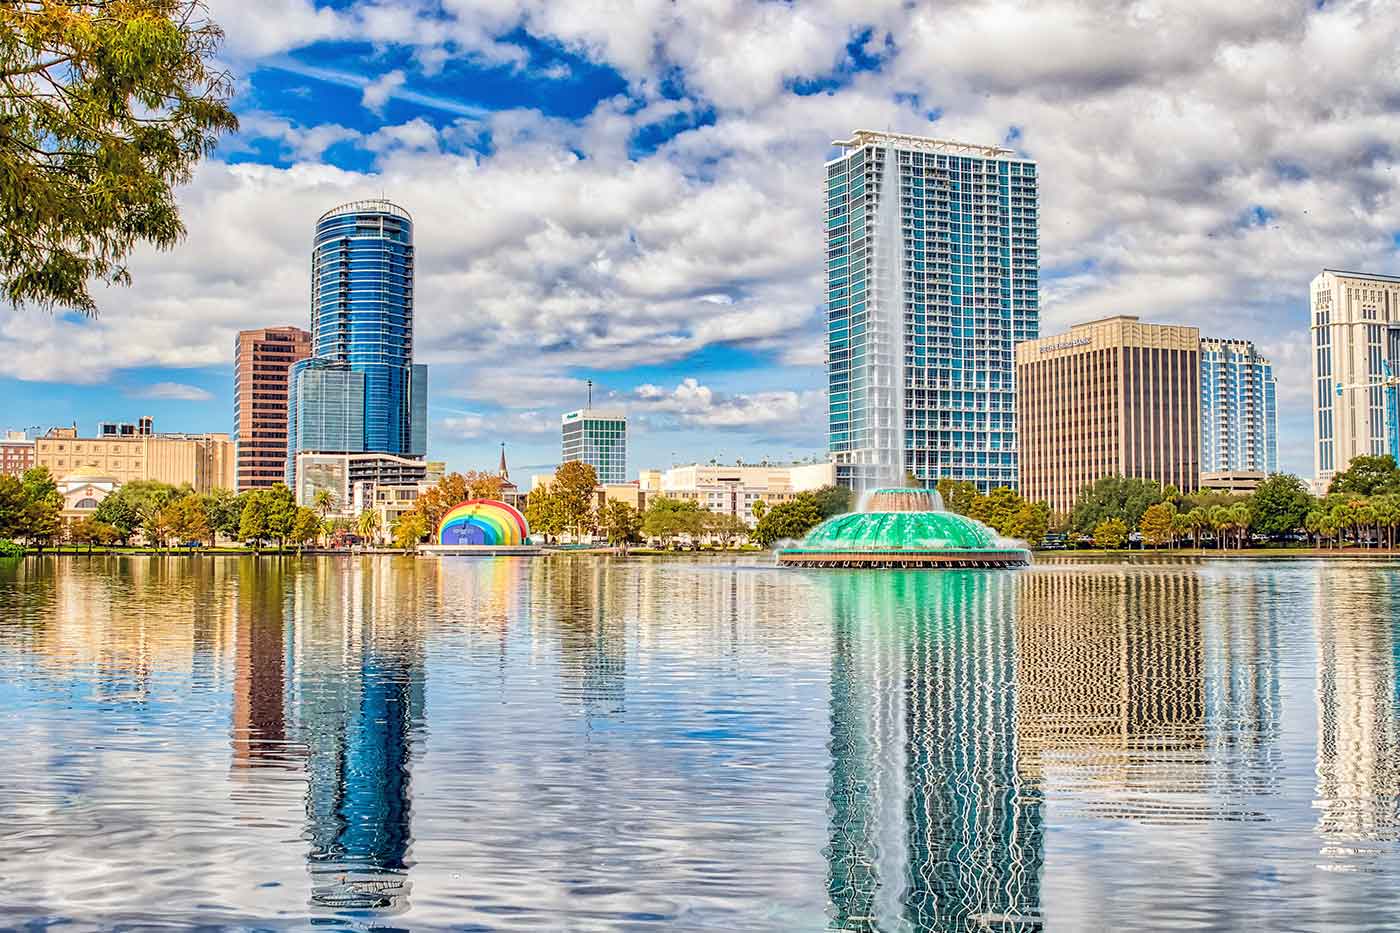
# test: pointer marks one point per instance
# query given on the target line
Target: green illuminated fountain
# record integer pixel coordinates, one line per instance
(903, 528)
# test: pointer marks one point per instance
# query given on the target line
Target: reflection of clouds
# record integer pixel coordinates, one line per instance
(1358, 741)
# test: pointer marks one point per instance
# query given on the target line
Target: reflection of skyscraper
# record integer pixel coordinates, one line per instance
(360, 700)
(1358, 738)
(259, 729)
(592, 634)
(932, 827)
(1112, 688)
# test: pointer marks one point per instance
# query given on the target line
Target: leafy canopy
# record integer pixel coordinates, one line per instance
(105, 107)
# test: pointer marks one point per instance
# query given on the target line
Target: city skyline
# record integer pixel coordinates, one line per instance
(646, 219)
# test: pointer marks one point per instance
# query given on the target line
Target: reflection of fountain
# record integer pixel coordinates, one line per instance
(903, 528)
(932, 825)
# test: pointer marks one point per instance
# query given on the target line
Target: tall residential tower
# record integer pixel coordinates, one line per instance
(1239, 411)
(932, 278)
(1356, 347)
(361, 387)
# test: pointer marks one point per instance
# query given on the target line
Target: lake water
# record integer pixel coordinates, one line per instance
(576, 743)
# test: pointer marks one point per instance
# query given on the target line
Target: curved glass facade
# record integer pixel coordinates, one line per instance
(362, 316)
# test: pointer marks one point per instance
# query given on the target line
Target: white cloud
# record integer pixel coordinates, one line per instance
(174, 391)
(783, 412)
(378, 92)
(471, 425)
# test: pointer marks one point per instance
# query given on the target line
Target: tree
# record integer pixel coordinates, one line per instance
(1199, 520)
(106, 106)
(306, 526)
(252, 520)
(323, 502)
(1156, 524)
(574, 483)
(223, 509)
(1029, 523)
(186, 519)
(1117, 497)
(1312, 524)
(1239, 523)
(757, 510)
(435, 502)
(409, 531)
(726, 527)
(1181, 526)
(1367, 476)
(958, 495)
(281, 508)
(369, 524)
(90, 531)
(134, 504)
(544, 512)
(482, 485)
(621, 523)
(11, 507)
(1111, 533)
(667, 519)
(41, 515)
(786, 521)
(832, 500)
(1279, 505)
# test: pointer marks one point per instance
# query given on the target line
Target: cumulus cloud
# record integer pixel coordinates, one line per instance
(378, 92)
(173, 391)
(1197, 168)
(693, 404)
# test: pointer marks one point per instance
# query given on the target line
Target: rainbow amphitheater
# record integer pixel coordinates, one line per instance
(483, 526)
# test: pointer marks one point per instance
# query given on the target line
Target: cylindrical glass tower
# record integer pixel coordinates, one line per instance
(362, 313)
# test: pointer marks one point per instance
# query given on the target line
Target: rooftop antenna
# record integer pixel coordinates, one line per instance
(590, 393)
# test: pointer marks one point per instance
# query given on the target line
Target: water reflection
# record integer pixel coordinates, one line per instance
(932, 825)
(1358, 741)
(628, 744)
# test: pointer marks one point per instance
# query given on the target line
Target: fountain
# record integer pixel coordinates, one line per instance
(903, 528)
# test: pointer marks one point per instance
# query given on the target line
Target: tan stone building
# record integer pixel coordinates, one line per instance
(261, 360)
(1111, 397)
(204, 461)
(1355, 326)
(735, 489)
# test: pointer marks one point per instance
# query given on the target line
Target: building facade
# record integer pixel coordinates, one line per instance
(735, 490)
(598, 437)
(351, 478)
(203, 461)
(360, 390)
(932, 279)
(1239, 409)
(16, 454)
(1355, 324)
(1110, 398)
(262, 362)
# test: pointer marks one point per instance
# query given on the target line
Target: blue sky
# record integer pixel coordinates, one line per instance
(630, 193)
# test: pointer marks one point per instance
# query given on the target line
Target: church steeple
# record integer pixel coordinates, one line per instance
(505, 473)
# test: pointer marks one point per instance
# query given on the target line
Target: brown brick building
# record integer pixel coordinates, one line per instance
(16, 454)
(261, 360)
(1111, 397)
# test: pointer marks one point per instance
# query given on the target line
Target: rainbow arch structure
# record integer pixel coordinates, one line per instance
(484, 522)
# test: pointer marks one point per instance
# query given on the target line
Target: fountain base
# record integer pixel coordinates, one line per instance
(910, 559)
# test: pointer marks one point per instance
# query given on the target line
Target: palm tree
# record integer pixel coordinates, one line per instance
(323, 502)
(1239, 520)
(1312, 524)
(1199, 518)
(368, 525)
(1220, 521)
(1181, 526)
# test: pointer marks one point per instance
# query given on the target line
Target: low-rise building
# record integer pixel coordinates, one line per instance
(127, 453)
(353, 479)
(16, 454)
(735, 489)
(83, 491)
(1235, 481)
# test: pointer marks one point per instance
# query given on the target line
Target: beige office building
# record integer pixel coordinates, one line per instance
(1355, 324)
(1111, 397)
(736, 489)
(204, 461)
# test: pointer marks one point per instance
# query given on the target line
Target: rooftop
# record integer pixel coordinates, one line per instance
(862, 138)
(1378, 276)
(370, 206)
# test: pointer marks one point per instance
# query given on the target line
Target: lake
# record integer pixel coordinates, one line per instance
(593, 743)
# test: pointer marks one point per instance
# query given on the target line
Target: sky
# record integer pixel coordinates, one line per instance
(631, 192)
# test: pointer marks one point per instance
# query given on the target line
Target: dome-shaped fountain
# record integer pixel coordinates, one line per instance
(903, 528)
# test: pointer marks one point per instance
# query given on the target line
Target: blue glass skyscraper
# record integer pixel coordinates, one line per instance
(1239, 409)
(933, 276)
(361, 324)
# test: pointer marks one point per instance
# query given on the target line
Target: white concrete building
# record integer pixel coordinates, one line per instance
(736, 488)
(1355, 325)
